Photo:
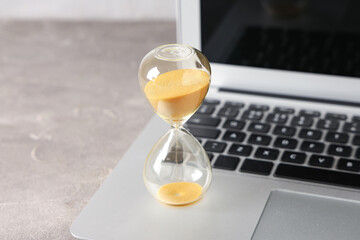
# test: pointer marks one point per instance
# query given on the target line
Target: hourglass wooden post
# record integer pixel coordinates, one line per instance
(175, 79)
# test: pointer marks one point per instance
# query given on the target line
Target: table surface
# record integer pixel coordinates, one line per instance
(70, 107)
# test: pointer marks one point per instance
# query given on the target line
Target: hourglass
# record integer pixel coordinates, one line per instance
(175, 79)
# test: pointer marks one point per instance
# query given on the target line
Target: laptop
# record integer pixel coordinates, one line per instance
(280, 123)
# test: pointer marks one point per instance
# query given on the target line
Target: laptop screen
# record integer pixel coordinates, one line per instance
(313, 36)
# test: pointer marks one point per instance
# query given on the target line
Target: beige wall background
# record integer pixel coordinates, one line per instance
(127, 10)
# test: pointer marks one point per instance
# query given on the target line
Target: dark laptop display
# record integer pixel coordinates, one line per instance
(299, 35)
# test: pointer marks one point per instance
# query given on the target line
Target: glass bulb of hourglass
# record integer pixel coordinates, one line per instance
(175, 79)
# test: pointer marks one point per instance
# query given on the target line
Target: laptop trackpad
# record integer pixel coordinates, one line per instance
(297, 216)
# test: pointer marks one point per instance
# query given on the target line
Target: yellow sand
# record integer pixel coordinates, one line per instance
(177, 94)
(179, 193)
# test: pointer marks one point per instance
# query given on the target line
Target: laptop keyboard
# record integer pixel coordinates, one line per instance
(280, 141)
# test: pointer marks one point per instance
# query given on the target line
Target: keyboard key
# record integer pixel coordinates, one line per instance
(256, 167)
(327, 124)
(234, 104)
(259, 127)
(352, 127)
(212, 146)
(226, 162)
(284, 131)
(312, 146)
(234, 124)
(228, 112)
(234, 136)
(258, 107)
(277, 118)
(201, 120)
(357, 154)
(259, 139)
(285, 143)
(302, 121)
(310, 134)
(336, 116)
(337, 137)
(267, 153)
(321, 161)
(210, 155)
(284, 110)
(241, 150)
(339, 150)
(318, 175)
(204, 132)
(209, 101)
(309, 113)
(205, 110)
(252, 115)
(348, 165)
(356, 140)
(356, 119)
(293, 157)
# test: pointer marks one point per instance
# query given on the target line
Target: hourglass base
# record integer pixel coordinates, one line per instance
(179, 193)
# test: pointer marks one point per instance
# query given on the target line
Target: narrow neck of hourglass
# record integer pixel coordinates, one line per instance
(176, 125)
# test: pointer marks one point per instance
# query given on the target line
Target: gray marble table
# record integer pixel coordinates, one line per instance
(70, 106)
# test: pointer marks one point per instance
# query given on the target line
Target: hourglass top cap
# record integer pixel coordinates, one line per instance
(174, 52)
(168, 58)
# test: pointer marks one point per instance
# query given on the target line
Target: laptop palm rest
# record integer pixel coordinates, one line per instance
(297, 216)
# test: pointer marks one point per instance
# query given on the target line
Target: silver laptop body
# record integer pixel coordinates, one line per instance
(240, 204)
